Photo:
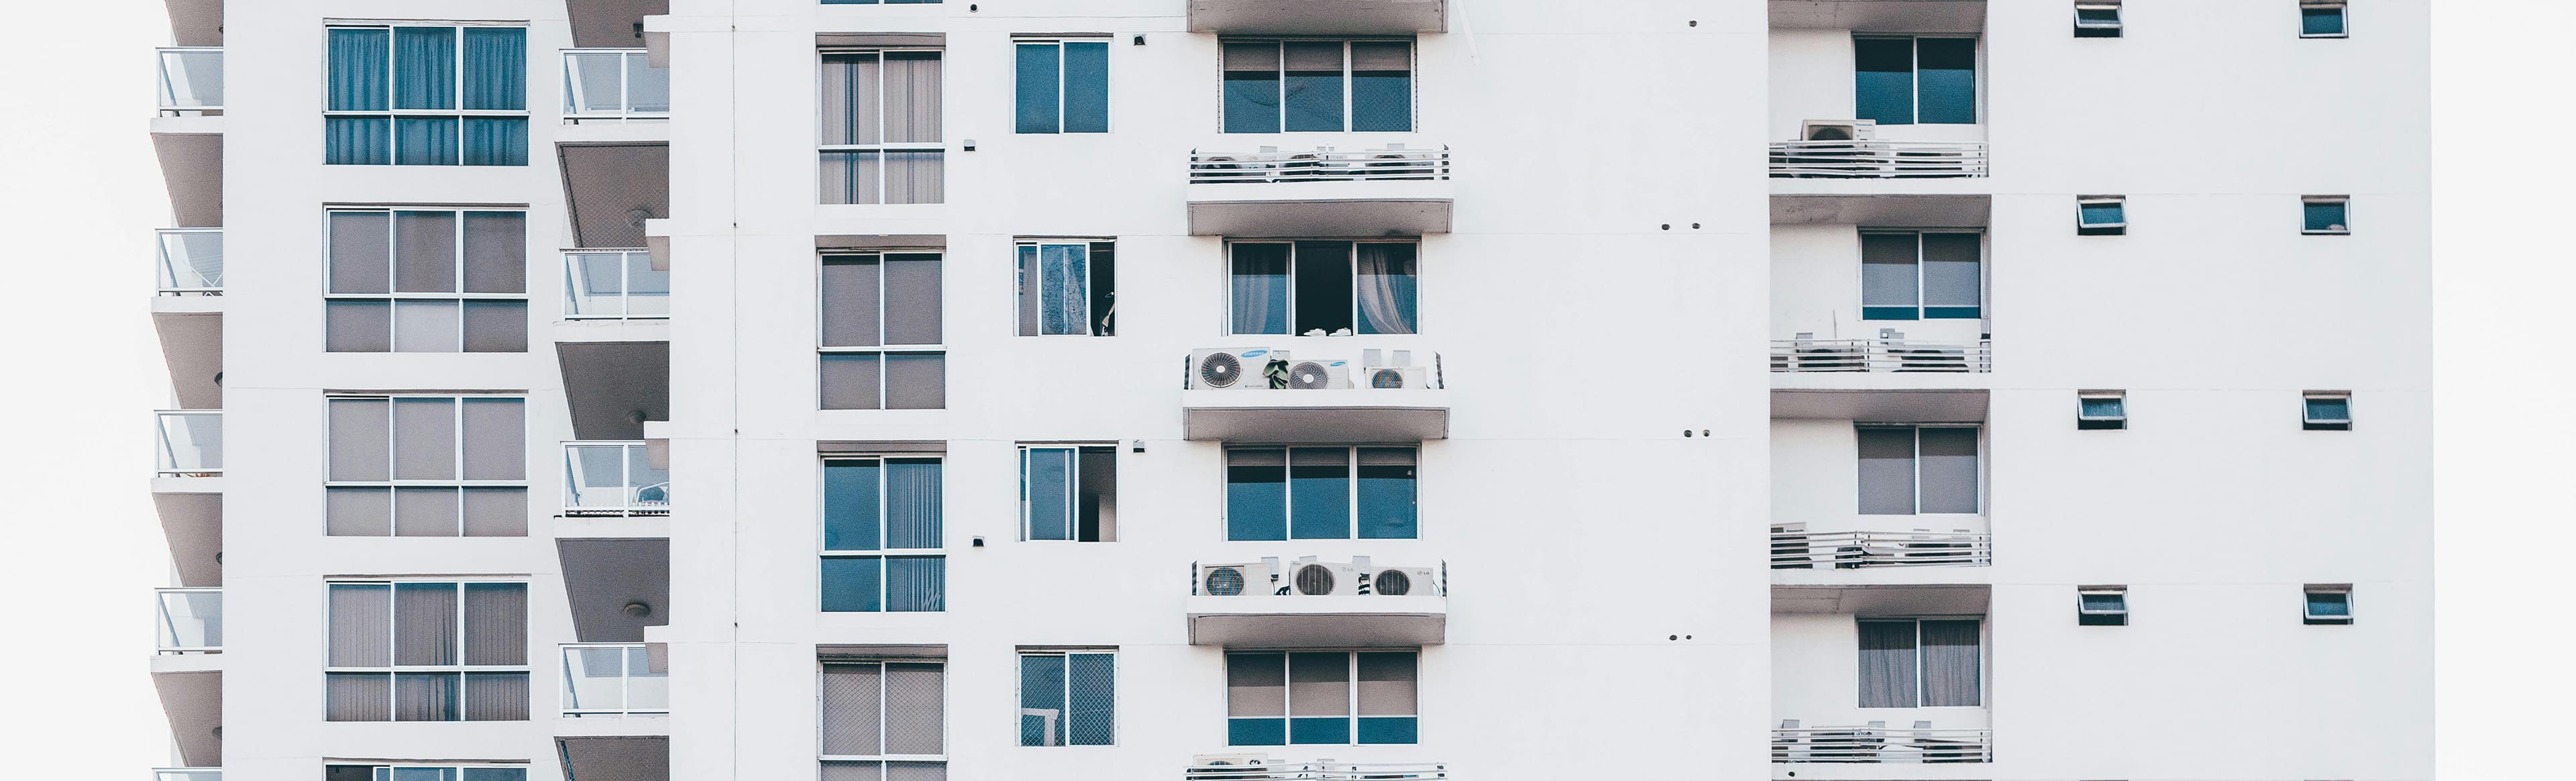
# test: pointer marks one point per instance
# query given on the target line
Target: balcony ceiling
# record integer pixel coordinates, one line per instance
(192, 168)
(608, 24)
(605, 186)
(194, 702)
(599, 758)
(1910, 600)
(1880, 406)
(1303, 217)
(1338, 415)
(1363, 621)
(194, 524)
(1319, 17)
(192, 344)
(1889, 16)
(602, 576)
(197, 22)
(1913, 211)
(613, 387)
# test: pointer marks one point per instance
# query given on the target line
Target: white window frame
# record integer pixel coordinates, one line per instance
(393, 671)
(2119, 592)
(1412, 79)
(1073, 485)
(1352, 264)
(2119, 421)
(393, 116)
(2112, 228)
(1288, 497)
(1917, 430)
(456, 427)
(1091, 321)
(883, 553)
(2307, 604)
(884, 710)
(2307, 411)
(393, 274)
(884, 346)
(1019, 689)
(881, 146)
(2117, 25)
(1351, 690)
(2344, 201)
(2342, 9)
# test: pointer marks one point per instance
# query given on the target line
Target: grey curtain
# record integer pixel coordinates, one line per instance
(912, 503)
(496, 439)
(1886, 470)
(915, 708)
(1386, 288)
(496, 624)
(426, 696)
(496, 512)
(360, 247)
(916, 584)
(912, 97)
(1887, 664)
(853, 700)
(1319, 684)
(425, 439)
(1387, 683)
(1949, 469)
(912, 299)
(359, 440)
(425, 623)
(496, 252)
(1950, 663)
(361, 625)
(1033, 290)
(358, 696)
(358, 512)
(852, 300)
(424, 252)
(1256, 685)
(496, 697)
(425, 512)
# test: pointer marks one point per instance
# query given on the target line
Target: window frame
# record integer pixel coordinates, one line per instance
(885, 709)
(1914, 76)
(393, 671)
(1412, 72)
(2308, 420)
(393, 485)
(884, 554)
(2343, 202)
(2087, 615)
(2342, 13)
(884, 346)
(1288, 495)
(381, 769)
(882, 147)
(1109, 96)
(2084, 227)
(2086, 420)
(1922, 310)
(2308, 614)
(1420, 272)
(1092, 323)
(2116, 27)
(1287, 705)
(1923, 695)
(1019, 689)
(393, 298)
(1073, 484)
(393, 116)
(1917, 462)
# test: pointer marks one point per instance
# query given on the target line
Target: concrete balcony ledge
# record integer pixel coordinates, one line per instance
(1308, 603)
(1307, 416)
(1319, 17)
(1389, 191)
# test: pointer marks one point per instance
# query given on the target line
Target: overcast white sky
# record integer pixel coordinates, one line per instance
(80, 548)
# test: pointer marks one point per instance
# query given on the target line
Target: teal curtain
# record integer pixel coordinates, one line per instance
(496, 69)
(424, 68)
(358, 62)
(496, 141)
(425, 141)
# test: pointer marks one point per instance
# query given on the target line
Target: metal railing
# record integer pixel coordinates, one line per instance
(191, 442)
(1322, 164)
(614, 86)
(1855, 550)
(191, 620)
(187, 774)
(1309, 577)
(1877, 159)
(613, 479)
(1315, 771)
(1239, 369)
(191, 261)
(1879, 744)
(1880, 355)
(192, 81)
(614, 285)
(612, 679)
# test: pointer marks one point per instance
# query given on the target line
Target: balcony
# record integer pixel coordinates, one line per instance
(1880, 675)
(191, 620)
(613, 679)
(614, 87)
(192, 81)
(1393, 191)
(191, 443)
(1258, 395)
(615, 285)
(188, 774)
(1313, 771)
(192, 261)
(188, 313)
(1793, 546)
(1878, 159)
(188, 493)
(1318, 604)
(1875, 742)
(613, 479)
(187, 133)
(1319, 17)
(1891, 352)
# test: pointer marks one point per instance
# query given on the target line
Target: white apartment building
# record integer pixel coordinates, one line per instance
(1316, 389)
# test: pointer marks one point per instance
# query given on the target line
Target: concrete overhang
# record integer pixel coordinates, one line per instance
(1341, 415)
(1881, 406)
(1360, 209)
(1880, 381)
(194, 526)
(1880, 16)
(192, 345)
(1319, 17)
(191, 151)
(1353, 621)
(615, 757)
(611, 24)
(192, 696)
(603, 577)
(611, 189)
(657, 40)
(614, 386)
(1888, 600)
(196, 22)
(1912, 211)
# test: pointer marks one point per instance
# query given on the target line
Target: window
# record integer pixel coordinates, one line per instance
(1920, 663)
(1069, 492)
(2102, 606)
(1308, 493)
(1324, 288)
(427, 651)
(1905, 80)
(1327, 697)
(882, 541)
(881, 332)
(1068, 287)
(1909, 470)
(1300, 86)
(1921, 275)
(2325, 215)
(2101, 409)
(1063, 86)
(424, 773)
(2327, 411)
(427, 96)
(2321, 19)
(1067, 698)
(427, 466)
(2328, 603)
(2097, 18)
(884, 719)
(427, 281)
(614, 285)
(881, 130)
(880, 2)
(2101, 215)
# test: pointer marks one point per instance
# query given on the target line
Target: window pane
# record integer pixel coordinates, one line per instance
(1042, 717)
(1092, 680)
(852, 585)
(496, 624)
(427, 326)
(2100, 213)
(850, 505)
(358, 326)
(358, 140)
(851, 300)
(912, 97)
(1386, 288)
(1086, 87)
(496, 326)
(915, 177)
(360, 250)
(1887, 664)
(912, 299)
(1386, 493)
(912, 503)
(1319, 493)
(1252, 87)
(496, 252)
(1888, 276)
(1381, 86)
(360, 443)
(496, 439)
(852, 177)
(849, 98)
(425, 696)
(2334, 409)
(1949, 80)
(425, 67)
(1040, 91)
(496, 697)
(1323, 279)
(916, 381)
(496, 141)
(851, 381)
(1046, 482)
(358, 512)
(496, 68)
(1951, 282)
(1951, 674)
(496, 512)
(1096, 495)
(1319, 684)
(424, 252)
(1260, 289)
(1062, 290)
(2320, 21)
(1313, 88)
(2329, 603)
(1256, 685)
(2324, 216)
(358, 62)
(1256, 495)
(425, 512)
(424, 439)
(358, 696)
(916, 584)
(425, 623)
(1949, 470)
(1886, 471)
(914, 709)
(2101, 601)
(648, 89)
(870, 770)
(361, 625)
(1387, 683)
(425, 140)
(1884, 85)
(852, 706)
(2100, 407)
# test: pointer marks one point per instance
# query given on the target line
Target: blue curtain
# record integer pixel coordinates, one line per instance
(496, 68)
(358, 61)
(424, 67)
(850, 505)
(916, 584)
(496, 141)
(1040, 87)
(1883, 86)
(1086, 87)
(1887, 669)
(425, 141)
(357, 141)
(1064, 278)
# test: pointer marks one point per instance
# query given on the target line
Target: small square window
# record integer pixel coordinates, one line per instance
(2097, 19)
(2321, 19)
(2329, 603)
(2102, 605)
(2325, 215)
(2101, 215)
(2101, 409)
(2328, 411)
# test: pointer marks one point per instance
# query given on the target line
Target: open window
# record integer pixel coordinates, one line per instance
(2097, 19)
(2102, 605)
(1069, 492)
(1068, 287)
(1324, 288)
(2101, 409)
(2101, 215)
(2328, 603)
(2327, 411)
(2321, 19)
(2325, 215)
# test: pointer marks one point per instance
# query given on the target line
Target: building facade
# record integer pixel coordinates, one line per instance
(1064, 389)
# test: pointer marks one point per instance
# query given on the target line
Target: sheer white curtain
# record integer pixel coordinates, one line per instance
(1386, 288)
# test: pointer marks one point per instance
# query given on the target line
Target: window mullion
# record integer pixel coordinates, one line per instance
(1917, 433)
(1347, 121)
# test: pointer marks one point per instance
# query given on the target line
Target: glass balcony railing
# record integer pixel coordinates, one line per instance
(192, 620)
(187, 774)
(192, 261)
(613, 479)
(614, 285)
(612, 679)
(192, 442)
(192, 81)
(614, 85)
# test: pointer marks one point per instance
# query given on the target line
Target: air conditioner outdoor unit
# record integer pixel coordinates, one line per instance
(1230, 580)
(1313, 578)
(1838, 130)
(1232, 369)
(1396, 377)
(1230, 767)
(1402, 581)
(1317, 375)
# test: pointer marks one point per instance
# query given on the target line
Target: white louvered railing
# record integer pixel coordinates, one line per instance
(1877, 159)
(1877, 744)
(1322, 164)
(1854, 550)
(1880, 355)
(1315, 771)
